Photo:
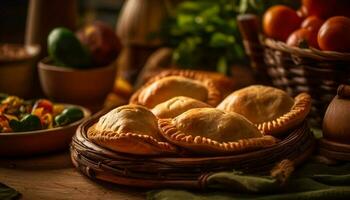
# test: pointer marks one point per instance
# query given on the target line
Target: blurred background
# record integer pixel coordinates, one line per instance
(13, 16)
(152, 35)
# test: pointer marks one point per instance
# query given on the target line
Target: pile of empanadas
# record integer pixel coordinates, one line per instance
(189, 114)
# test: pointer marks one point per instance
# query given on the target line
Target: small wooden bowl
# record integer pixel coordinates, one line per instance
(88, 87)
(185, 172)
(17, 74)
(41, 141)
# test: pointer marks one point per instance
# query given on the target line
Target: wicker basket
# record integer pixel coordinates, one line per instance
(303, 70)
(185, 172)
(296, 70)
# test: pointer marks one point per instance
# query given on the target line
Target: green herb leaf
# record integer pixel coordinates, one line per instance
(203, 31)
(222, 65)
(219, 40)
(3, 96)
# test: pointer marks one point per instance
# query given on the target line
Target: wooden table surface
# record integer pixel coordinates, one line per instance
(54, 177)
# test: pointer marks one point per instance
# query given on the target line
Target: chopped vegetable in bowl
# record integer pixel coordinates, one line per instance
(18, 115)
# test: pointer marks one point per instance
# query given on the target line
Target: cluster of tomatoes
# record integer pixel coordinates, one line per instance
(321, 24)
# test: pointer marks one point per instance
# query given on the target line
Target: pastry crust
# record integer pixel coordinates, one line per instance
(270, 109)
(222, 82)
(176, 106)
(130, 129)
(156, 92)
(296, 115)
(211, 131)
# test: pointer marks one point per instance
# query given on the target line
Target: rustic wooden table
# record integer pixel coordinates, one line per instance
(54, 177)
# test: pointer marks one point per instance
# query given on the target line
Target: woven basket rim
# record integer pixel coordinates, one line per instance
(309, 53)
(99, 163)
(81, 134)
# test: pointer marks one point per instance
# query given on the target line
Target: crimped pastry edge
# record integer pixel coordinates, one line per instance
(201, 144)
(222, 82)
(213, 99)
(294, 117)
(159, 148)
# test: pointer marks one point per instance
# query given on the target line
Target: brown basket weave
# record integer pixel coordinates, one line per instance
(296, 70)
(186, 172)
(307, 70)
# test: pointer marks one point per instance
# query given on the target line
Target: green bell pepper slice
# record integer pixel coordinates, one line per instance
(27, 123)
(69, 115)
(3, 96)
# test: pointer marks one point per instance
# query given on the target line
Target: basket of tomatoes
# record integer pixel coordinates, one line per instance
(307, 50)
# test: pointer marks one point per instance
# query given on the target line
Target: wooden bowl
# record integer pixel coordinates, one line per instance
(17, 75)
(41, 141)
(185, 172)
(88, 87)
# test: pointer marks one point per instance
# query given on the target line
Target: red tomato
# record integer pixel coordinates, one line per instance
(334, 34)
(303, 35)
(312, 22)
(320, 8)
(280, 21)
(45, 104)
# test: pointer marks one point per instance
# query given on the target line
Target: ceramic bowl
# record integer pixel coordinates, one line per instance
(87, 87)
(39, 142)
(17, 75)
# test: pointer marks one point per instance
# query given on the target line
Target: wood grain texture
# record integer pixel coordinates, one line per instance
(53, 177)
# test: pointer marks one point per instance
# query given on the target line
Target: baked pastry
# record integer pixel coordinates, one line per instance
(224, 84)
(272, 110)
(212, 131)
(130, 129)
(176, 106)
(154, 93)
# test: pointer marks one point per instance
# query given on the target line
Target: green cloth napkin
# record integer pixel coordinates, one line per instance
(311, 181)
(7, 193)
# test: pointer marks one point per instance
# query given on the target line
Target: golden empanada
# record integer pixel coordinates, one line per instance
(154, 93)
(176, 106)
(270, 109)
(212, 131)
(130, 129)
(225, 84)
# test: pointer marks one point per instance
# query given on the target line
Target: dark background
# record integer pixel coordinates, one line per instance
(13, 14)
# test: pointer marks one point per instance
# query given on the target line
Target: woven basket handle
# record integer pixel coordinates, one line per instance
(249, 27)
(343, 91)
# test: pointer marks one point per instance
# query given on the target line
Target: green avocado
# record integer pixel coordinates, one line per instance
(65, 49)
